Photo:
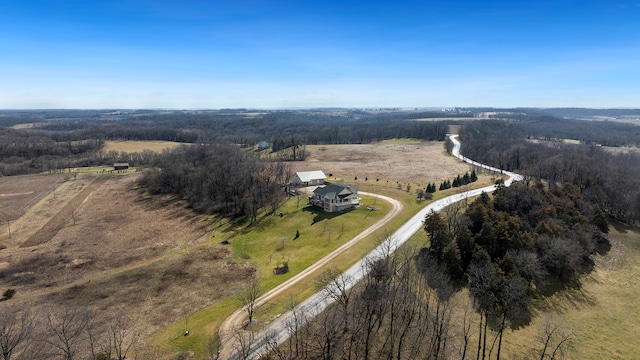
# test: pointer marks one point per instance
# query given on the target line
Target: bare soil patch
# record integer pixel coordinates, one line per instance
(387, 163)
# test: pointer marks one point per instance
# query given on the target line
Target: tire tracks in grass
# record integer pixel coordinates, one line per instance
(58, 221)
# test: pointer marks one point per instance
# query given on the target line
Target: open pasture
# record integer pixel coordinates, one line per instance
(131, 146)
(385, 163)
(602, 317)
(19, 193)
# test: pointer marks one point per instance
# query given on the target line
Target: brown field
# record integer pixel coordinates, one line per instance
(100, 241)
(139, 146)
(19, 193)
(389, 163)
(114, 249)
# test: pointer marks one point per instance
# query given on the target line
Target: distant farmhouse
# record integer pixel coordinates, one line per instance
(120, 166)
(334, 197)
(309, 178)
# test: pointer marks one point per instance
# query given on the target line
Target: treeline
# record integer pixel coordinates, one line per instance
(219, 178)
(463, 180)
(611, 180)
(65, 333)
(525, 242)
(55, 144)
(33, 151)
(38, 151)
(248, 129)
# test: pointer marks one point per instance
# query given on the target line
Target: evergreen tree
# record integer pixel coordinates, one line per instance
(473, 176)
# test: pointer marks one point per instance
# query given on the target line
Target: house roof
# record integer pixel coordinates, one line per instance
(306, 176)
(335, 191)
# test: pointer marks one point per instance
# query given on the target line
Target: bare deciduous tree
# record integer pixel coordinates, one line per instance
(249, 295)
(16, 328)
(66, 330)
(554, 338)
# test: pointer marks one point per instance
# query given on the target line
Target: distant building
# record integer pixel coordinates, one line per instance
(263, 145)
(309, 178)
(120, 166)
(334, 197)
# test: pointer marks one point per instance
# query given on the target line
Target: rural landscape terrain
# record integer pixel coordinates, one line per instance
(148, 261)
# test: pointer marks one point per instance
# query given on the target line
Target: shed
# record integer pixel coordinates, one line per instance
(120, 166)
(309, 178)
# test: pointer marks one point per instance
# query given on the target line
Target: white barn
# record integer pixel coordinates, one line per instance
(309, 178)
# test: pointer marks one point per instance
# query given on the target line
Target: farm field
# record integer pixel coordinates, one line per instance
(18, 194)
(120, 250)
(97, 239)
(138, 146)
(388, 162)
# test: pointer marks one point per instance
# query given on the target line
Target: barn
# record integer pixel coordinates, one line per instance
(120, 166)
(309, 178)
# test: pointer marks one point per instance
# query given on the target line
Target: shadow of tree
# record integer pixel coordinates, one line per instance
(319, 214)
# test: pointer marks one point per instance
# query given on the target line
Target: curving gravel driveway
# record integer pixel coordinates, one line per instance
(277, 332)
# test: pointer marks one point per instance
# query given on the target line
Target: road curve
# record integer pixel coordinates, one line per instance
(277, 331)
(235, 321)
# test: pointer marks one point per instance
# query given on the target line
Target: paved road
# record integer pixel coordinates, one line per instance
(277, 332)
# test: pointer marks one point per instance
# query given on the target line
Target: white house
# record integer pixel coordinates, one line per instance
(334, 197)
(308, 178)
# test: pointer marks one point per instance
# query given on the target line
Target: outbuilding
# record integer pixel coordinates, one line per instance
(120, 166)
(309, 178)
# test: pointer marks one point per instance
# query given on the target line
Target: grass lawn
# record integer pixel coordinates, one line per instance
(265, 244)
(271, 240)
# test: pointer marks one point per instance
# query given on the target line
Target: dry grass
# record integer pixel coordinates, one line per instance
(604, 313)
(124, 250)
(158, 261)
(131, 146)
(19, 193)
(110, 246)
(388, 163)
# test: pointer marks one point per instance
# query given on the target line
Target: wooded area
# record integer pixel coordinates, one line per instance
(55, 144)
(219, 178)
(525, 242)
(611, 180)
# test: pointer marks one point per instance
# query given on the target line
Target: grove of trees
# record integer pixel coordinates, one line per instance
(609, 179)
(522, 243)
(219, 178)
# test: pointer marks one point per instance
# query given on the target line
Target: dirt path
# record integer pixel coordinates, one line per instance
(57, 222)
(232, 323)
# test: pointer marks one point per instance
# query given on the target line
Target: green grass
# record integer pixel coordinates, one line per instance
(270, 240)
(605, 312)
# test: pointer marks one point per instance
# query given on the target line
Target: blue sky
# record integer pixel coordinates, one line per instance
(284, 54)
